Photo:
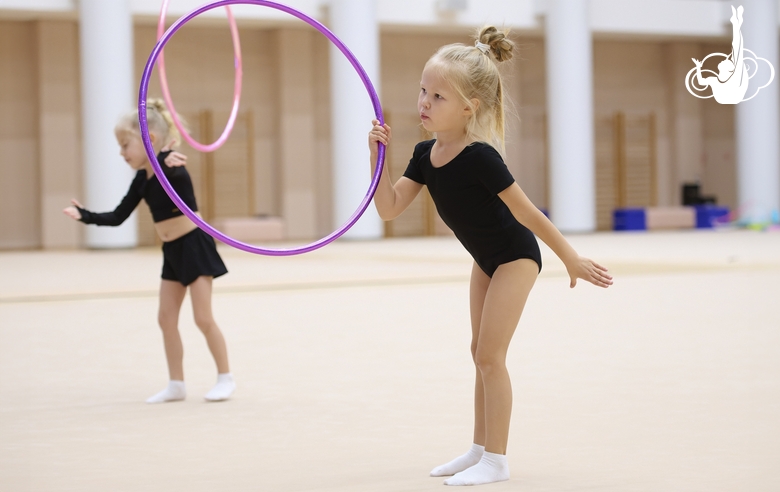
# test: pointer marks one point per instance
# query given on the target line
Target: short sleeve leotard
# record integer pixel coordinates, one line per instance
(465, 192)
(150, 190)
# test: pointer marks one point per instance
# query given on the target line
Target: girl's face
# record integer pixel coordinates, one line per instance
(132, 149)
(440, 108)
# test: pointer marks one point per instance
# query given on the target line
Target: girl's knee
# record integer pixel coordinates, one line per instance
(206, 324)
(488, 363)
(167, 321)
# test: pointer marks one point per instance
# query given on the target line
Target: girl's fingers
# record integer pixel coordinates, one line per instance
(594, 273)
(378, 135)
(602, 281)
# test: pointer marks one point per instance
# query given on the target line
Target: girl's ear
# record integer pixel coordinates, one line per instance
(469, 111)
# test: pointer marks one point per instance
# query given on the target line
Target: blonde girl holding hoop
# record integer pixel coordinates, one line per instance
(461, 102)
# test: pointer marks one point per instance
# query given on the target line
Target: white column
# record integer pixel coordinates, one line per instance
(758, 124)
(355, 24)
(107, 92)
(569, 57)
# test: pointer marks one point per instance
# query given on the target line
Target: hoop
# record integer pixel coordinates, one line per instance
(236, 89)
(144, 127)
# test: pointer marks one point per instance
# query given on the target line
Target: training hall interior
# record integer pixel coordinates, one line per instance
(352, 362)
(650, 137)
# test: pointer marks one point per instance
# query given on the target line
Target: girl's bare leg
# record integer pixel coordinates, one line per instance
(171, 298)
(477, 291)
(200, 291)
(478, 288)
(503, 304)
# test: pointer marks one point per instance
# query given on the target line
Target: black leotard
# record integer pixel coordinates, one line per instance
(465, 192)
(152, 192)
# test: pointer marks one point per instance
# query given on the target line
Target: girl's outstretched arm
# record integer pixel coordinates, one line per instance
(527, 214)
(73, 210)
(118, 215)
(389, 200)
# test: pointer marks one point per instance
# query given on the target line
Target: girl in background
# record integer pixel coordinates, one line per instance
(461, 102)
(190, 257)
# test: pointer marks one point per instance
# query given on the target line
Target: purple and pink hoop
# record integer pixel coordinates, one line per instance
(144, 126)
(236, 88)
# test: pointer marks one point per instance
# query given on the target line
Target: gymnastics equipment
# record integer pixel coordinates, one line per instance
(144, 126)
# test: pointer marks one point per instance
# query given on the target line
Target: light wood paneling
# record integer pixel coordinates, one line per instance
(60, 135)
(297, 137)
(20, 225)
(323, 167)
(199, 63)
(231, 180)
(533, 172)
(626, 174)
(39, 116)
(607, 187)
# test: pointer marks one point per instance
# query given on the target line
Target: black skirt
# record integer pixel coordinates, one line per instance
(191, 256)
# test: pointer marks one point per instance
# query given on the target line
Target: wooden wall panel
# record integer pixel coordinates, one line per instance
(60, 131)
(40, 141)
(199, 63)
(232, 183)
(323, 166)
(606, 170)
(297, 134)
(20, 225)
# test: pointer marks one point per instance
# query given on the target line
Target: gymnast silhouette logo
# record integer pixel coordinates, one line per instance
(730, 84)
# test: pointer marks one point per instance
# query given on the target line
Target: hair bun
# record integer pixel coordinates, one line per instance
(500, 44)
(156, 104)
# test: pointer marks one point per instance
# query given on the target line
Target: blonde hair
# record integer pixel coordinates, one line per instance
(473, 74)
(158, 118)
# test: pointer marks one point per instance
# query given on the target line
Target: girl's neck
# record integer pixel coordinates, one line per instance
(452, 139)
(148, 166)
(149, 170)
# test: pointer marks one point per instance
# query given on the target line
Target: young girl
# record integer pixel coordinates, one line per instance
(461, 103)
(190, 257)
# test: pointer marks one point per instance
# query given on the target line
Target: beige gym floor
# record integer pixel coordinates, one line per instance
(354, 372)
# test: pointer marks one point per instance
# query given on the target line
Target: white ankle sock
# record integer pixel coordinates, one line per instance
(460, 463)
(174, 392)
(491, 468)
(223, 389)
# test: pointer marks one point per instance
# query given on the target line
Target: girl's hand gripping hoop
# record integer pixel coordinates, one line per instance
(143, 124)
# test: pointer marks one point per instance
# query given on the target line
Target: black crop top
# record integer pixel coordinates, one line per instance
(160, 204)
